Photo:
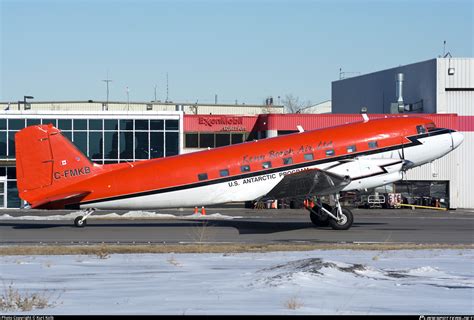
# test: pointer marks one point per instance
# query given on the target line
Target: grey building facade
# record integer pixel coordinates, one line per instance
(377, 91)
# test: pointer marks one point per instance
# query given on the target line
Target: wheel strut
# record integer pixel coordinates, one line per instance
(80, 221)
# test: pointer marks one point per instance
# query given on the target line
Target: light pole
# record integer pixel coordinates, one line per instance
(107, 82)
(128, 98)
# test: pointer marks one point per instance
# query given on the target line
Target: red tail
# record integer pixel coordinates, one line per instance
(46, 163)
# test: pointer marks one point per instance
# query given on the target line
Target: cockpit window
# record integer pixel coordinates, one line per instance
(420, 129)
(431, 127)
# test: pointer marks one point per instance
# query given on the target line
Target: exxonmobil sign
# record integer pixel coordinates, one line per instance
(229, 121)
(217, 123)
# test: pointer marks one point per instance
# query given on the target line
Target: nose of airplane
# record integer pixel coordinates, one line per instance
(457, 138)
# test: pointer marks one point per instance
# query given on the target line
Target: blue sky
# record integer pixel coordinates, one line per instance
(239, 50)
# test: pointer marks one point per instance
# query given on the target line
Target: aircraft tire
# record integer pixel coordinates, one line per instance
(321, 219)
(78, 222)
(346, 223)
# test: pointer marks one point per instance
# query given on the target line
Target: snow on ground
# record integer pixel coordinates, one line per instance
(311, 282)
(128, 215)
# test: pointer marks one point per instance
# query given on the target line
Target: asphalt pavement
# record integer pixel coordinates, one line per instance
(239, 225)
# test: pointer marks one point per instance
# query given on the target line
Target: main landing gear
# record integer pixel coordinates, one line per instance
(323, 215)
(80, 221)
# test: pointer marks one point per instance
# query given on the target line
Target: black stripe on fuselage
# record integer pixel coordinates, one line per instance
(414, 142)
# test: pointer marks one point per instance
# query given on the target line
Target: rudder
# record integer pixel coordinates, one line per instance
(46, 162)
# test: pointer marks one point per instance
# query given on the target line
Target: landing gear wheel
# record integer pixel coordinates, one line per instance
(346, 220)
(320, 218)
(79, 222)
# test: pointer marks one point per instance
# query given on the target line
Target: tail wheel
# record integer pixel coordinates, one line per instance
(79, 222)
(320, 218)
(347, 218)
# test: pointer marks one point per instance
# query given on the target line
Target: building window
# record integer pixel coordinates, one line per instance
(16, 124)
(224, 172)
(212, 140)
(171, 143)
(80, 140)
(192, 140)
(285, 132)
(157, 141)
(65, 124)
(110, 145)
(126, 125)
(267, 165)
(237, 138)
(126, 145)
(245, 168)
(156, 124)
(206, 140)
(288, 160)
(110, 125)
(141, 125)
(31, 122)
(95, 124)
(172, 124)
(351, 149)
(330, 152)
(95, 145)
(222, 139)
(141, 145)
(3, 144)
(308, 156)
(79, 124)
(373, 144)
(49, 121)
(202, 176)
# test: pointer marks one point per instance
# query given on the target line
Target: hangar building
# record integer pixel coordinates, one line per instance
(437, 86)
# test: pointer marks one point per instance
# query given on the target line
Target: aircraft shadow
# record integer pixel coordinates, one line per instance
(243, 226)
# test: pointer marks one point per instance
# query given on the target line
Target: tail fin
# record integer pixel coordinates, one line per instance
(47, 162)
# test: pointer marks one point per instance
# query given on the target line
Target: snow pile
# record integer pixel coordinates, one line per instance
(317, 268)
(314, 282)
(127, 215)
(68, 216)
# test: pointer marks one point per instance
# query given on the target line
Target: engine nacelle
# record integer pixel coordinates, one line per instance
(374, 181)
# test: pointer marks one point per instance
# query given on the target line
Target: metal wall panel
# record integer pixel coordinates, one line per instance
(457, 168)
(377, 90)
(460, 102)
(455, 74)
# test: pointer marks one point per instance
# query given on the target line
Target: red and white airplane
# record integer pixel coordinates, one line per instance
(53, 174)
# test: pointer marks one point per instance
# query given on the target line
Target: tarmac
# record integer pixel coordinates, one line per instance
(239, 225)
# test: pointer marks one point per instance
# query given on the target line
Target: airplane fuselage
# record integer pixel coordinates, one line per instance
(370, 153)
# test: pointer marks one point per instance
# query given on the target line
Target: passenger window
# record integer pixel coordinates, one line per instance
(351, 149)
(330, 152)
(308, 156)
(267, 165)
(373, 144)
(420, 129)
(245, 168)
(224, 172)
(202, 176)
(288, 160)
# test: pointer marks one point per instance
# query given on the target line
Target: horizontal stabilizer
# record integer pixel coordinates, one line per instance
(308, 182)
(60, 200)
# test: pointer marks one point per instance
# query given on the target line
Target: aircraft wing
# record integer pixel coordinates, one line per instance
(308, 182)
